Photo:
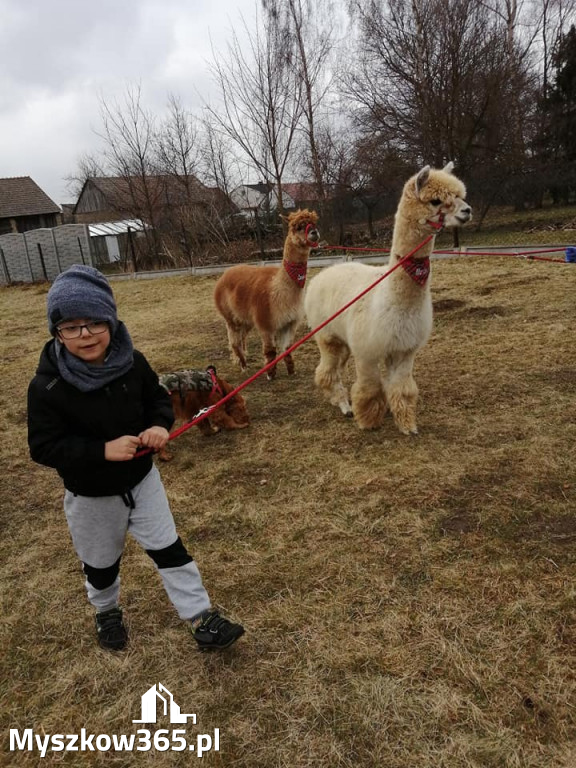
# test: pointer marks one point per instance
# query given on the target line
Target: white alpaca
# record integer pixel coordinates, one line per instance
(394, 320)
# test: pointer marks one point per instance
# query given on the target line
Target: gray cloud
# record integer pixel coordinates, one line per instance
(59, 57)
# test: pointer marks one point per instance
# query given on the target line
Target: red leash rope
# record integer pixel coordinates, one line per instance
(207, 411)
(437, 225)
(348, 248)
(530, 255)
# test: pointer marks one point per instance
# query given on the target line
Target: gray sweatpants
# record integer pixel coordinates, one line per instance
(98, 526)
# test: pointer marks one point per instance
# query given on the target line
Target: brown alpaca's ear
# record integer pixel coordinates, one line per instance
(422, 179)
(285, 218)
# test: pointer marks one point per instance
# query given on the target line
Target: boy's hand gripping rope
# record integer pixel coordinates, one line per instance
(205, 412)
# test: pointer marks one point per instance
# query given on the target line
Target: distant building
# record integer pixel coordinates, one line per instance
(114, 198)
(303, 193)
(259, 198)
(67, 213)
(24, 206)
(109, 240)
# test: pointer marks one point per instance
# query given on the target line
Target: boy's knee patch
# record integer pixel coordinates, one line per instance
(102, 578)
(170, 557)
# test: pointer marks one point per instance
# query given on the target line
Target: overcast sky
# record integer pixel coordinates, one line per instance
(58, 56)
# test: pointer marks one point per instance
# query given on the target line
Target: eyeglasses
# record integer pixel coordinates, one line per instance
(75, 331)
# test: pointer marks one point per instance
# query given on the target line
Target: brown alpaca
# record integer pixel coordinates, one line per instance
(269, 298)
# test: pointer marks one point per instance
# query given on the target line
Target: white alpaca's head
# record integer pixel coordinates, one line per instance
(433, 194)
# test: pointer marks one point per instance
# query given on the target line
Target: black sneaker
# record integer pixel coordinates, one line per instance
(215, 632)
(112, 633)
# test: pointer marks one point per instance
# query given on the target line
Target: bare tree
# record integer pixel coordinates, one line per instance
(305, 27)
(222, 172)
(261, 101)
(218, 162)
(177, 150)
(443, 79)
(88, 167)
(555, 17)
(177, 144)
(129, 137)
(533, 27)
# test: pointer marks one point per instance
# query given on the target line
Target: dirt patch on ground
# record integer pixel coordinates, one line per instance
(486, 312)
(461, 522)
(557, 529)
(446, 305)
(557, 376)
(505, 285)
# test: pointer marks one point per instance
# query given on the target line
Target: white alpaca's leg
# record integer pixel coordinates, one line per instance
(402, 392)
(368, 398)
(334, 355)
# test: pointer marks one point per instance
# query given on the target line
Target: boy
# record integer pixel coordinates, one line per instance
(93, 403)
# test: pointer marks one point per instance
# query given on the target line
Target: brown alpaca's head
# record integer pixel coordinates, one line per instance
(302, 231)
(236, 409)
(236, 406)
(435, 194)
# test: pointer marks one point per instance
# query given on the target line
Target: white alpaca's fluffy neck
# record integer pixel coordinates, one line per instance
(407, 236)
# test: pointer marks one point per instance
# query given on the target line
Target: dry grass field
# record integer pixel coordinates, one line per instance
(409, 602)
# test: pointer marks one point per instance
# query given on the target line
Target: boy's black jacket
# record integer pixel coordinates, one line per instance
(67, 428)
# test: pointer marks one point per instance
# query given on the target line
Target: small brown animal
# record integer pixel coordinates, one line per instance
(269, 298)
(191, 391)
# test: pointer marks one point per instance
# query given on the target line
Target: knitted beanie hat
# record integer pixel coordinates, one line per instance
(81, 291)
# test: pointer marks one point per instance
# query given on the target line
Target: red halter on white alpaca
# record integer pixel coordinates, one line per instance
(419, 269)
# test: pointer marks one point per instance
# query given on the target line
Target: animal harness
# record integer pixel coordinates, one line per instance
(296, 271)
(184, 381)
(211, 371)
(418, 269)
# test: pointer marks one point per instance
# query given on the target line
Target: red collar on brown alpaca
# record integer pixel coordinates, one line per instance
(215, 384)
(296, 271)
(418, 269)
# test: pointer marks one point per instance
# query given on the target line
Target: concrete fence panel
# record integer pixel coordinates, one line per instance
(41, 254)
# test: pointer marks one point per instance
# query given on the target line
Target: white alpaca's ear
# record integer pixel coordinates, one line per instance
(449, 167)
(422, 179)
